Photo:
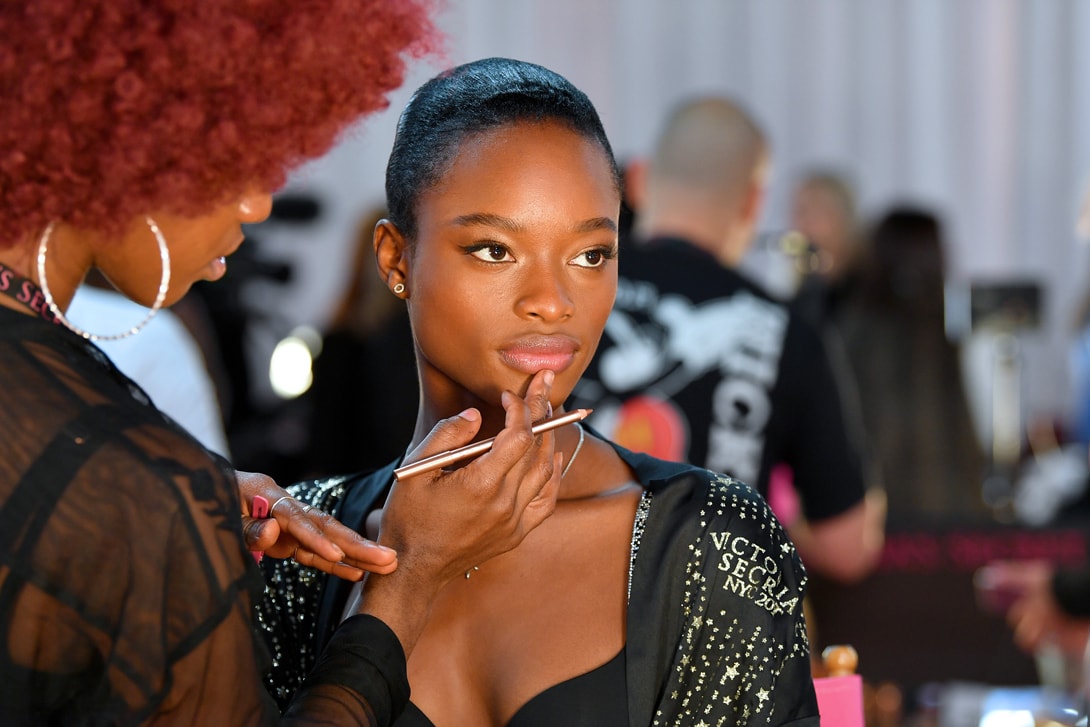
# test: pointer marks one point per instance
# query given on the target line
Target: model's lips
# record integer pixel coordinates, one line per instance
(535, 353)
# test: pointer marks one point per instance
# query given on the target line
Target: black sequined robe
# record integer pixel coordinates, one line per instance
(715, 629)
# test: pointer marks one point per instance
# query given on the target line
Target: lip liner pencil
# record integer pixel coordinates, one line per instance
(451, 456)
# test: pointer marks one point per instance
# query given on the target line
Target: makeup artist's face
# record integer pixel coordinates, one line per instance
(198, 247)
(514, 268)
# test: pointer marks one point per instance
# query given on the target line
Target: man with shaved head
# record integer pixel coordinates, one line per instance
(699, 364)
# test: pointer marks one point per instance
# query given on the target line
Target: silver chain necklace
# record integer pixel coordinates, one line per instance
(579, 446)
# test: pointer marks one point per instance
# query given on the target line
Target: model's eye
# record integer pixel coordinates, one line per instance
(491, 252)
(595, 258)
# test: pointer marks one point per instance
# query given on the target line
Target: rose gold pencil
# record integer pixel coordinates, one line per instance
(451, 456)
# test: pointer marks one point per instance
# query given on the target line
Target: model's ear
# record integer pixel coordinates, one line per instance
(392, 257)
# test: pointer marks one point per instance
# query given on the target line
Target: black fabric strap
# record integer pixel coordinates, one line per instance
(26, 292)
(43, 484)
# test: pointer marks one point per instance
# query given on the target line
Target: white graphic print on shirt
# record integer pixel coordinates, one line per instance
(667, 342)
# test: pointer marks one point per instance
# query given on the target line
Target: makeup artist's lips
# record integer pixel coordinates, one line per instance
(535, 353)
(217, 268)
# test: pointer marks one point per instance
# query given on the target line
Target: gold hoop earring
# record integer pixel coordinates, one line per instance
(399, 288)
(164, 285)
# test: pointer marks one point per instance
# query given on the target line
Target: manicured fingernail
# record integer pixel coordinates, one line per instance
(549, 377)
(470, 415)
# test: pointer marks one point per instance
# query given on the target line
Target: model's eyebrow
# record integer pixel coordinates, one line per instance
(487, 220)
(506, 223)
(596, 223)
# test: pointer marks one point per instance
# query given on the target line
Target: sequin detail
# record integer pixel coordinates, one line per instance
(638, 526)
(287, 617)
(745, 636)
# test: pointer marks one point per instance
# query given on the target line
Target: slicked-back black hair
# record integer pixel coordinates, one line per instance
(468, 100)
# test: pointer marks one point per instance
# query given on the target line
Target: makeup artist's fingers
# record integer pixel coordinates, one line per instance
(295, 528)
(536, 400)
(539, 485)
(314, 538)
(511, 457)
(342, 569)
(260, 533)
(450, 433)
(318, 540)
(537, 496)
(537, 395)
(529, 465)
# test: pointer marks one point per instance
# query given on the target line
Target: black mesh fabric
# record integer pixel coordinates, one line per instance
(126, 592)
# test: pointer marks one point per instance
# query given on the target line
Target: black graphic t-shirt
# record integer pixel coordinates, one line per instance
(697, 364)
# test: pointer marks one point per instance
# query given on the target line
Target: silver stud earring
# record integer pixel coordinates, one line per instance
(399, 288)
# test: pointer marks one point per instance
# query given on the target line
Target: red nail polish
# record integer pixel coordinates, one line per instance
(259, 508)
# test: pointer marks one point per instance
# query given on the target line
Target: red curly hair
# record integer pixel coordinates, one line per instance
(113, 108)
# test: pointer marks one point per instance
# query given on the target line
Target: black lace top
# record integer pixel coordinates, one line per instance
(126, 591)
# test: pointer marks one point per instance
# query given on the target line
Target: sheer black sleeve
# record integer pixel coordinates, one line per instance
(126, 593)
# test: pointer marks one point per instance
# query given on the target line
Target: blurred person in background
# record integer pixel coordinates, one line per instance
(699, 364)
(908, 373)
(823, 211)
(137, 138)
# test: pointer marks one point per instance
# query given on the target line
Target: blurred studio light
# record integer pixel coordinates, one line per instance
(291, 365)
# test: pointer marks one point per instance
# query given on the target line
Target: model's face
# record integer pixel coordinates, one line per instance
(514, 266)
(198, 248)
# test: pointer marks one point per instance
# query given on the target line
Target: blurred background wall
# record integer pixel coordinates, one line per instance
(979, 109)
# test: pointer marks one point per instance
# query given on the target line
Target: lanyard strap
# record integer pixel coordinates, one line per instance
(25, 292)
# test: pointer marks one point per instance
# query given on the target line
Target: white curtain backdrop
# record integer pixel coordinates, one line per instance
(979, 109)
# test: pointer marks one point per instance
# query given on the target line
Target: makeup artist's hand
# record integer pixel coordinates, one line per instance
(442, 523)
(309, 536)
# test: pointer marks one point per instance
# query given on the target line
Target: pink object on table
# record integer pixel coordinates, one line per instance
(840, 700)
